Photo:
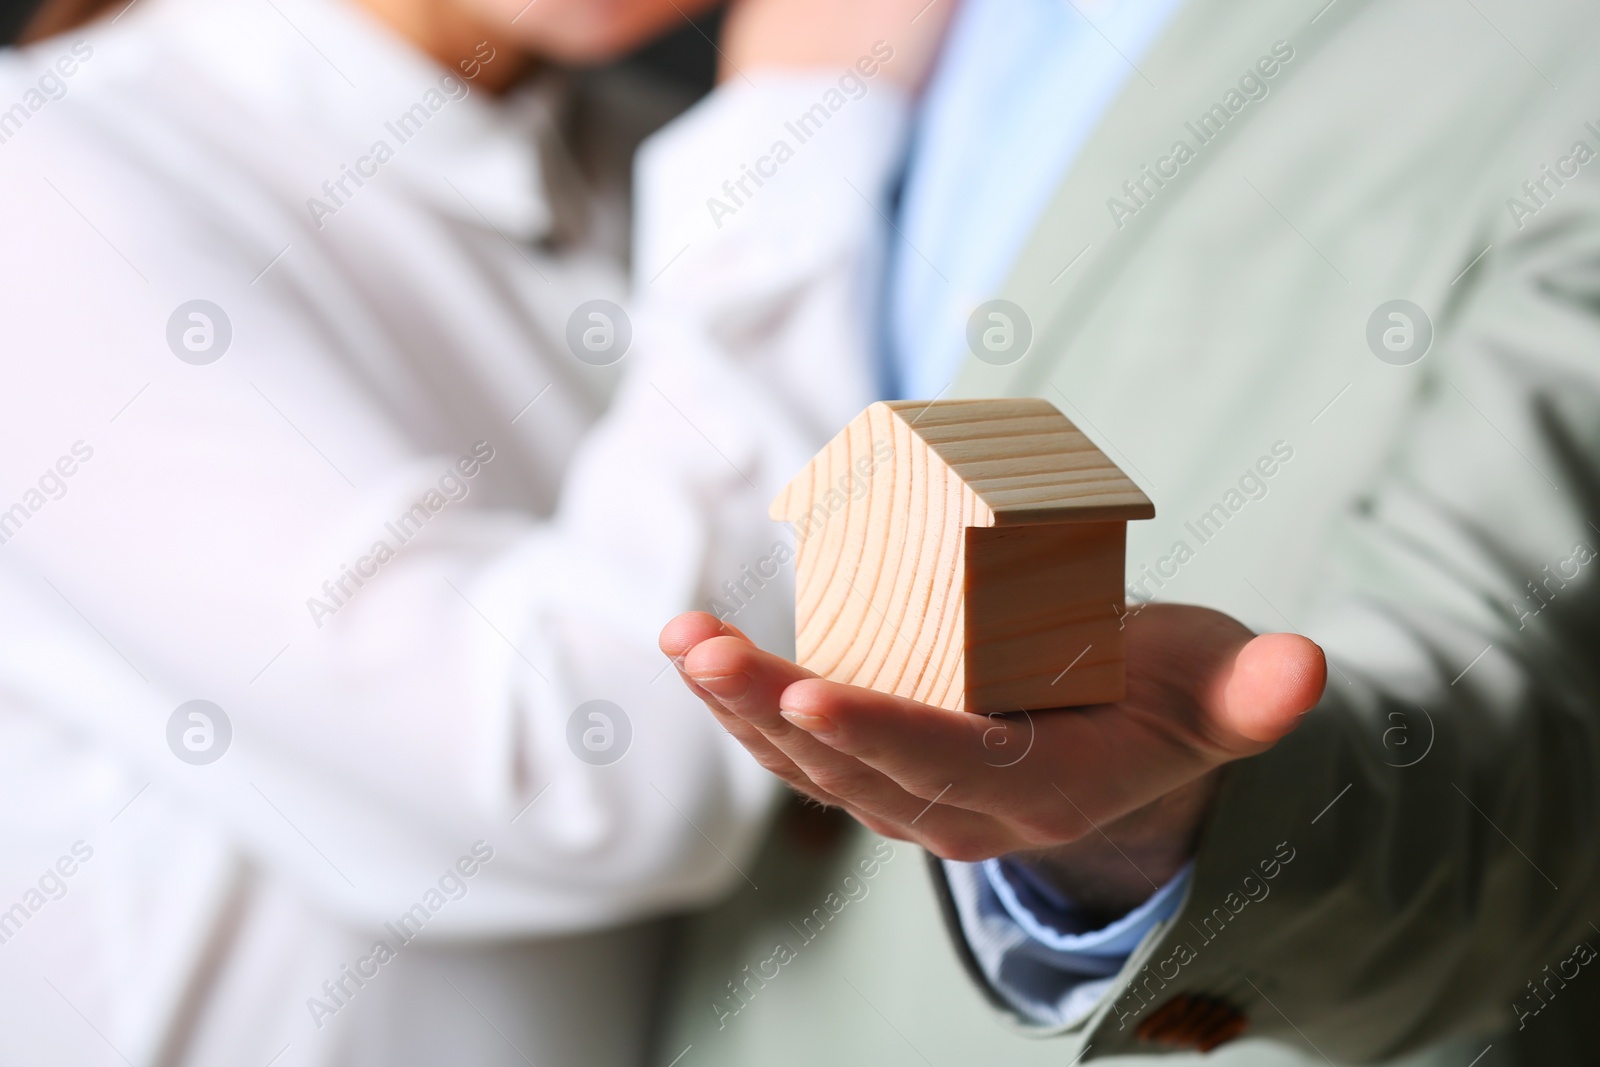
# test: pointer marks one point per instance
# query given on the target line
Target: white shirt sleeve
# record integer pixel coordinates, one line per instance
(445, 698)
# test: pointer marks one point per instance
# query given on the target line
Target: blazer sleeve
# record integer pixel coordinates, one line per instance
(1413, 861)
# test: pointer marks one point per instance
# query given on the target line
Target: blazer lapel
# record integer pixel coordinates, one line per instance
(1078, 248)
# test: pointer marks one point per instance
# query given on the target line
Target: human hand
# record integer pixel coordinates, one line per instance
(835, 34)
(1106, 801)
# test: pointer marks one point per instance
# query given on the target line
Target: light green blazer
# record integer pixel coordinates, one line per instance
(1431, 518)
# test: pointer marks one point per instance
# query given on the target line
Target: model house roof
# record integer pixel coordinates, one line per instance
(1018, 460)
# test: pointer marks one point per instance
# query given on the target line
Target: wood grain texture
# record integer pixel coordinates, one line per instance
(1041, 616)
(901, 585)
(880, 532)
(1025, 461)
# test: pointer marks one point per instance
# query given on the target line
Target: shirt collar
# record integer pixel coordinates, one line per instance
(340, 79)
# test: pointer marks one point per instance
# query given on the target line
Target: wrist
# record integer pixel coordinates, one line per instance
(900, 38)
(1109, 873)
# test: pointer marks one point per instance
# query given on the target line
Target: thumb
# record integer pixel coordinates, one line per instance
(1273, 681)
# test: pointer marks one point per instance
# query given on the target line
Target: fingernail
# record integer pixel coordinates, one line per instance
(816, 725)
(724, 686)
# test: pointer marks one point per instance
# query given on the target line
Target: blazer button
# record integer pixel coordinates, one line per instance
(1193, 1022)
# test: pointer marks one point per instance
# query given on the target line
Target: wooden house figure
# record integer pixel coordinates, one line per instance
(964, 553)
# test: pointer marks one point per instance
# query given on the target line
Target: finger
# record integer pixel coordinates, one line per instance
(743, 678)
(689, 629)
(746, 683)
(686, 631)
(751, 682)
(911, 763)
(1005, 769)
(971, 764)
(1275, 679)
(1231, 691)
(682, 635)
(924, 749)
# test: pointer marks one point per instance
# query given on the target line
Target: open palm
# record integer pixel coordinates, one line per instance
(1068, 787)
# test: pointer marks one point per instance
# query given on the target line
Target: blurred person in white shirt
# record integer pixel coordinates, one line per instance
(341, 500)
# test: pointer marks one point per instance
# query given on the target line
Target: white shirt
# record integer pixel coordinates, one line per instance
(383, 343)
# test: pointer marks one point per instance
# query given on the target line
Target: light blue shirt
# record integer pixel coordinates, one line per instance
(1035, 947)
(1020, 87)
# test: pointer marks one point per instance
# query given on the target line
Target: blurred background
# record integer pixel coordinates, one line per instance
(685, 56)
